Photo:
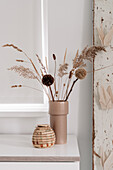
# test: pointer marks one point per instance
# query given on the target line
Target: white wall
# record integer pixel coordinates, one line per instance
(70, 25)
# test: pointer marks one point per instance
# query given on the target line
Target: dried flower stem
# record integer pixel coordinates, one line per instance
(32, 88)
(46, 63)
(64, 85)
(68, 83)
(43, 67)
(65, 55)
(16, 86)
(55, 78)
(18, 49)
(54, 58)
(58, 87)
(41, 72)
(51, 93)
(78, 62)
(71, 89)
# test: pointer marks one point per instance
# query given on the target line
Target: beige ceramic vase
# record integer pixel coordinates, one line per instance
(58, 111)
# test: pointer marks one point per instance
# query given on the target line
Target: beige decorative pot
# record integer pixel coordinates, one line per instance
(58, 111)
(43, 136)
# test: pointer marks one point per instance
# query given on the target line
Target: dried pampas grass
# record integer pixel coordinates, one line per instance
(24, 72)
(13, 46)
(64, 73)
(42, 66)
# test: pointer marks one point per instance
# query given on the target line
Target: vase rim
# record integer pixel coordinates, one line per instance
(58, 101)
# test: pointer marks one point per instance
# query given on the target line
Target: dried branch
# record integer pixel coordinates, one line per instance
(54, 58)
(43, 67)
(71, 89)
(69, 81)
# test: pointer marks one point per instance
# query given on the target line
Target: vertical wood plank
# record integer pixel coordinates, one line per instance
(102, 143)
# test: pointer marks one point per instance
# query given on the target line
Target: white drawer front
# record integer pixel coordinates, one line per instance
(39, 166)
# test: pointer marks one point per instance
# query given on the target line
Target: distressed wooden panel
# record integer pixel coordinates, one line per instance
(103, 78)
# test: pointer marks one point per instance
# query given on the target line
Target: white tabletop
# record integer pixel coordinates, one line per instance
(20, 148)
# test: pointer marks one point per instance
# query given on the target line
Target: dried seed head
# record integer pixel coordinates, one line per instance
(80, 73)
(20, 60)
(56, 92)
(47, 80)
(70, 74)
(14, 86)
(54, 56)
(13, 46)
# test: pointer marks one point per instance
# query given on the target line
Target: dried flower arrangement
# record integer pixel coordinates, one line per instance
(47, 80)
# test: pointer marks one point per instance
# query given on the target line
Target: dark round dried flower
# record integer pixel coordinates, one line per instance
(80, 73)
(47, 80)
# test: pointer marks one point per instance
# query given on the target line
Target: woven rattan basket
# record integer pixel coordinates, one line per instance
(43, 137)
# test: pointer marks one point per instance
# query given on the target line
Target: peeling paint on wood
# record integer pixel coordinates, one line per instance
(103, 119)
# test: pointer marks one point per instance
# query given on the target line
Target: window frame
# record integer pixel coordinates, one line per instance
(32, 110)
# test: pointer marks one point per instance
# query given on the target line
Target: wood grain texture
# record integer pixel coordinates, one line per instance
(38, 159)
(102, 140)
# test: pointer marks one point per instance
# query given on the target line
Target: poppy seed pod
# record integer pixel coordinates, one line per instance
(80, 73)
(47, 80)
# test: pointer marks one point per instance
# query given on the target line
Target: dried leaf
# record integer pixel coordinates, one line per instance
(101, 34)
(102, 155)
(108, 37)
(105, 99)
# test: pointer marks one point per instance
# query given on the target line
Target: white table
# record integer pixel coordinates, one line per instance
(19, 148)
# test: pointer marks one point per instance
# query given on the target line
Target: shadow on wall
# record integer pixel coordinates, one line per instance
(86, 96)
